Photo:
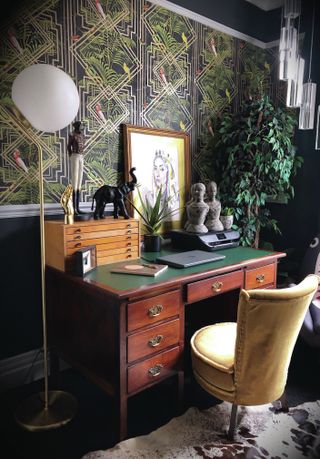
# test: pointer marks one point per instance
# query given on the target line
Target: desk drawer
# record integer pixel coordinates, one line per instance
(152, 370)
(152, 310)
(260, 277)
(213, 286)
(155, 339)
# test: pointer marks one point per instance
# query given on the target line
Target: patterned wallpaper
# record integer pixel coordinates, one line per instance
(133, 62)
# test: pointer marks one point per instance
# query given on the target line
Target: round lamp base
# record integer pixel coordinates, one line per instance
(33, 416)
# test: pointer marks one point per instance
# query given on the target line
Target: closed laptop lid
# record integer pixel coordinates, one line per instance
(189, 258)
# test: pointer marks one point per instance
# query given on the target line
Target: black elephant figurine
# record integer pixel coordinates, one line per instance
(113, 194)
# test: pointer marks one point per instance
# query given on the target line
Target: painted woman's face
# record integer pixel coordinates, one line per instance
(159, 172)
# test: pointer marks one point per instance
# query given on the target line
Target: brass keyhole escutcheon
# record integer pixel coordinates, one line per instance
(216, 286)
(155, 311)
(156, 370)
(155, 341)
(260, 278)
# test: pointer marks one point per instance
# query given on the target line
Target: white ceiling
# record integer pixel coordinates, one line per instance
(267, 5)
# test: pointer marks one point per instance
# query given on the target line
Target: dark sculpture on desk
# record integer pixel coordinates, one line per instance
(113, 194)
(197, 210)
(212, 221)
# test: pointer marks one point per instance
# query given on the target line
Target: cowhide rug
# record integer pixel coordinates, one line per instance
(261, 433)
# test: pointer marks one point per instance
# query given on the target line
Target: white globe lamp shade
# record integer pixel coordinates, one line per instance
(46, 96)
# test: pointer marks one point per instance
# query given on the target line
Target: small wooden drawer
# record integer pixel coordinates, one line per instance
(152, 370)
(152, 340)
(259, 277)
(104, 260)
(152, 310)
(214, 286)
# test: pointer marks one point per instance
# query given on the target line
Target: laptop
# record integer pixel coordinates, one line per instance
(189, 258)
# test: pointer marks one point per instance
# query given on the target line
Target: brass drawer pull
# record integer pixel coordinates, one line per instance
(78, 230)
(155, 341)
(129, 231)
(260, 278)
(78, 237)
(155, 310)
(216, 286)
(129, 249)
(129, 225)
(129, 256)
(128, 244)
(78, 245)
(156, 370)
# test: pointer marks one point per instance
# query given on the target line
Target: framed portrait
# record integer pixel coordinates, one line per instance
(162, 161)
(85, 260)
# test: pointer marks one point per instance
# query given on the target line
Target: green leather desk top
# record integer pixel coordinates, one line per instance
(122, 282)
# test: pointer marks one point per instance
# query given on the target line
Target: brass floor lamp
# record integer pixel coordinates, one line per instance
(49, 100)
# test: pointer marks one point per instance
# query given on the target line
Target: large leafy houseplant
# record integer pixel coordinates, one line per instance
(253, 159)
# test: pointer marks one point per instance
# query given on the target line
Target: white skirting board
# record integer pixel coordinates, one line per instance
(18, 370)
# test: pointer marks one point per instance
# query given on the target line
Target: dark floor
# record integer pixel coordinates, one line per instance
(92, 428)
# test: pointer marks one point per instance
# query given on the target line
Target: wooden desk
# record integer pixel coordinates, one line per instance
(126, 333)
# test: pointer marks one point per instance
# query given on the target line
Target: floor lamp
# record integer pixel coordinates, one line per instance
(49, 100)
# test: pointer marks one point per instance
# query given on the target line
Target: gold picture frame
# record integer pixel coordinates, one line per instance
(162, 159)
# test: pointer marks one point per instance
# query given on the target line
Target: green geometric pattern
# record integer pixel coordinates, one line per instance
(133, 62)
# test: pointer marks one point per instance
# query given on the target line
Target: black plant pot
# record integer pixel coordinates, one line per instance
(152, 243)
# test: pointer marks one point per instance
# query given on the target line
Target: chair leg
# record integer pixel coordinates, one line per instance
(281, 405)
(233, 421)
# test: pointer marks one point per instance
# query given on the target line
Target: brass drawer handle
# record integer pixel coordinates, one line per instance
(155, 310)
(78, 245)
(155, 341)
(260, 278)
(129, 231)
(156, 370)
(129, 225)
(78, 230)
(128, 244)
(129, 256)
(129, 249)
(78, 237)
(216, 286)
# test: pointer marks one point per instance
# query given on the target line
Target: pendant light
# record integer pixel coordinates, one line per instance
(288, 46)
(295, 83)
(308, 104)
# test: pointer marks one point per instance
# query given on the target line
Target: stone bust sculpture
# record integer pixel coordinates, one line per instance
(197, 210)
(212, 221)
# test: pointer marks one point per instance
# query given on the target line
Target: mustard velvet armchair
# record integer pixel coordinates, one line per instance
(246, 363)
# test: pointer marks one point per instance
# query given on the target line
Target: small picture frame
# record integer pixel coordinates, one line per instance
(85, 260)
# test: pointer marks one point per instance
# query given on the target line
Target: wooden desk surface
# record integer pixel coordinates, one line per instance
(123, 284)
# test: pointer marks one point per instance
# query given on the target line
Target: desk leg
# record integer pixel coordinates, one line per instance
(121, 411)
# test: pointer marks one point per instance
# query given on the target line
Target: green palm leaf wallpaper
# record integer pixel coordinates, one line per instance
(133, 62)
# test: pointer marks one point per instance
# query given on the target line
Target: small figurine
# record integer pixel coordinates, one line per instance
(212, 221)
(66, 203)
(115, 195)
(75, 149)
(197, 210)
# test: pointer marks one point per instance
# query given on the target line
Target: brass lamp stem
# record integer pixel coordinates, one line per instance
(43, 279)
(46, 410)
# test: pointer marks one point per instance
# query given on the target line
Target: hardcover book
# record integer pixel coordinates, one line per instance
(144, 269)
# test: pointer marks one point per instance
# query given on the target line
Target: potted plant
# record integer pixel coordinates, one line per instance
(226, 217)
(152, 217)
(254, 159)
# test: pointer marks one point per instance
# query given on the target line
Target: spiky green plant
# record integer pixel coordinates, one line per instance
(152, 216)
